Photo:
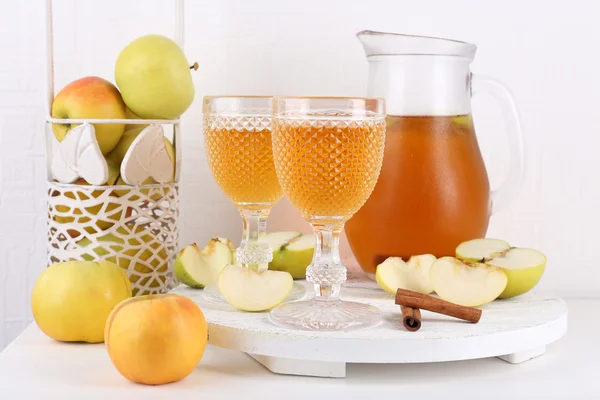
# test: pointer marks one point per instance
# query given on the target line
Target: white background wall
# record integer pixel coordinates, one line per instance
(546, 51)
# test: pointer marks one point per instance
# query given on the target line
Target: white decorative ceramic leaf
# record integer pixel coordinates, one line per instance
(91, 163)
(79, 156)
(147, 156)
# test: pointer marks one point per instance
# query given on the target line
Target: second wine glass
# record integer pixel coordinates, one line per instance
(328, 154)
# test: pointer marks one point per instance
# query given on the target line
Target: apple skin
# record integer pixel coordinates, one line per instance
(293, 262)
(90, 97)
(521, 281)
(72, 300)
(156, 339)
(154, 77)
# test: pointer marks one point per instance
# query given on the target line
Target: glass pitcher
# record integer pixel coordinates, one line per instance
(433, 191)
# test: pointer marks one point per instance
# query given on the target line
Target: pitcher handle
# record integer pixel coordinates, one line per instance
(505, 193)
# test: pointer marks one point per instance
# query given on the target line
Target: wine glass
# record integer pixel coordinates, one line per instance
(328, 153)
(237, 137)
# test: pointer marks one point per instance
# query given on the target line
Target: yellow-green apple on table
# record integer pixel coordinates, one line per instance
(197, 267)
(394, 274)
(467, 284)
(90, 97)
(523, 267)
(292, 252)
(71, 300)
(156, 339)
(154, 78)
(250, 290)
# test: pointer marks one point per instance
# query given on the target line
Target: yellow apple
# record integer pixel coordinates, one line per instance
(90, 97)
(72, 300)
(156, 339)
(154, 78)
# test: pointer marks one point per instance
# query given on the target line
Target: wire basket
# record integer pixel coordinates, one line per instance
(136, 227)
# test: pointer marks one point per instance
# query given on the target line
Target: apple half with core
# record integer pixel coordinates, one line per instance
(198, 268)
(523, 267)
(466, 284)
(249, 290)
(394, 273)
(292, 252)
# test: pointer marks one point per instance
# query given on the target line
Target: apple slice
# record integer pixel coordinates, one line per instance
(477, 250)
(198, 268)
(291, 253)
(466, 284)
(523, 267)
(249, 290)
(394, 273)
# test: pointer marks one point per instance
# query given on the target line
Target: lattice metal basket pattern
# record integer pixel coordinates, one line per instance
(136, 227)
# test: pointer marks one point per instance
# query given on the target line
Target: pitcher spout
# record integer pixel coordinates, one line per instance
(396, 44)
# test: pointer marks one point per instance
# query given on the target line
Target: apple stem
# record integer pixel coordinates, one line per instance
(194, 66)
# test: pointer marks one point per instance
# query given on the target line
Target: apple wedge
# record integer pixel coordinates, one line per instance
(478, 249)
(466, 284)
(249, 290)
(292, 252)
(198, 268)
(523, 267)
(394, 273)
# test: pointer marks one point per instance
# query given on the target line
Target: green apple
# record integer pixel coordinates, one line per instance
(292, 252)
(524, 267)
(394, 273)
(198, 268)
(249, 290)
(154, 78)
(465, 283)
(90, 97)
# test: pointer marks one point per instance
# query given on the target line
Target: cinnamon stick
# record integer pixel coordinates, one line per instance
(412, 299)
(411, 318)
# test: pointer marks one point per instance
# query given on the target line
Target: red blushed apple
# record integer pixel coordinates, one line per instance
(90, 97)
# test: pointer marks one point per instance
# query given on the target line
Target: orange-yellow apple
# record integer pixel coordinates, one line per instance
(156, 339)
(90, 97)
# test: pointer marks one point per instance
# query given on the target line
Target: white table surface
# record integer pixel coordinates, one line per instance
(34, 366)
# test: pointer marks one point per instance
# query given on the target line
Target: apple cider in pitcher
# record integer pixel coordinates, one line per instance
(432, 194)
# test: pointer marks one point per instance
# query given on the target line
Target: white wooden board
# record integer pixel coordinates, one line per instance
(515, 330)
